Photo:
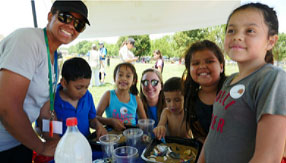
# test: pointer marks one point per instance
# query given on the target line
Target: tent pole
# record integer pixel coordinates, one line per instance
(34, 13)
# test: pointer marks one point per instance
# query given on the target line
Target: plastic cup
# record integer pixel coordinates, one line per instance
(146, 125)
(108, 144)
(125, 154)
(133, 136)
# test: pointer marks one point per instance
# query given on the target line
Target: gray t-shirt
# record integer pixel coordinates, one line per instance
(24, 52)
(237, 110)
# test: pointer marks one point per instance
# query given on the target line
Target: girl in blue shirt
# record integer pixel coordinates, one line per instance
(121, 104)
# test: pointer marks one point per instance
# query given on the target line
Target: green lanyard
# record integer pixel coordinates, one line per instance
(51, 88)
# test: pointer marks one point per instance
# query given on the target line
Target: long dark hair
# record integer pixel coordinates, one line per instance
(133, 89)
(161, 100)
(158, 52)
(270, 19)
(191, 88)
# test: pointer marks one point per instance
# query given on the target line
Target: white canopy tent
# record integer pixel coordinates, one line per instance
(110, 18)
(120, 18)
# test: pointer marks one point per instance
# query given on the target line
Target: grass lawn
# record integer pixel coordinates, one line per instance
(170, 70)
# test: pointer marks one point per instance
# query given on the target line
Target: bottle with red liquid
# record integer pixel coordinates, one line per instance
(73, 146)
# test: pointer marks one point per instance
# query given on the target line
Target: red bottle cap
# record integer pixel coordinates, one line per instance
(71, 121)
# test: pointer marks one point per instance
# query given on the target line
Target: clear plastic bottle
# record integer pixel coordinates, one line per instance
(73, 146)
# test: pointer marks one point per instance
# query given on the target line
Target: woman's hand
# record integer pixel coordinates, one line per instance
(49, 147)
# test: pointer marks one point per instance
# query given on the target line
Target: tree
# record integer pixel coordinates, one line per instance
(184, 39)
(164, 44)
(121, 40)
(216, 34)
(142, 44)
(279, 51)
(80, 48)
(112, 49)
(72, 49)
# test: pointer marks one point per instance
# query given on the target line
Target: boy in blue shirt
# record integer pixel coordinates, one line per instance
(72, 98)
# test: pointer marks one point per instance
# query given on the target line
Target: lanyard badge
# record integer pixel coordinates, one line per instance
(51, 84)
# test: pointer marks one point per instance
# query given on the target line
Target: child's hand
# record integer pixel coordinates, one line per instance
(117, 124)
(100, 130)
(160, 131)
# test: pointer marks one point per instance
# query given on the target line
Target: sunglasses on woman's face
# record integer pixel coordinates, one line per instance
(153, 82)
(67, 18)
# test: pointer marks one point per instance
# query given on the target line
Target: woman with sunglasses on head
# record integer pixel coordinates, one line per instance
(28, 76)
(151, 94)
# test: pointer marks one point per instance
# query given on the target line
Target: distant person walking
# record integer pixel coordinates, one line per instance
(94, 61)
(125, 53)
(103, 54)
(159, 65)
(108, 61)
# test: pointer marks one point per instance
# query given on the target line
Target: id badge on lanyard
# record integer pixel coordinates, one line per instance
(52, 89)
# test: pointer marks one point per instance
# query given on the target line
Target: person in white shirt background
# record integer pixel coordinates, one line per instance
(103, 54)
(125, 53)
(94, 62)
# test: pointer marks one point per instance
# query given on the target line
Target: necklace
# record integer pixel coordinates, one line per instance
(52, 85)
